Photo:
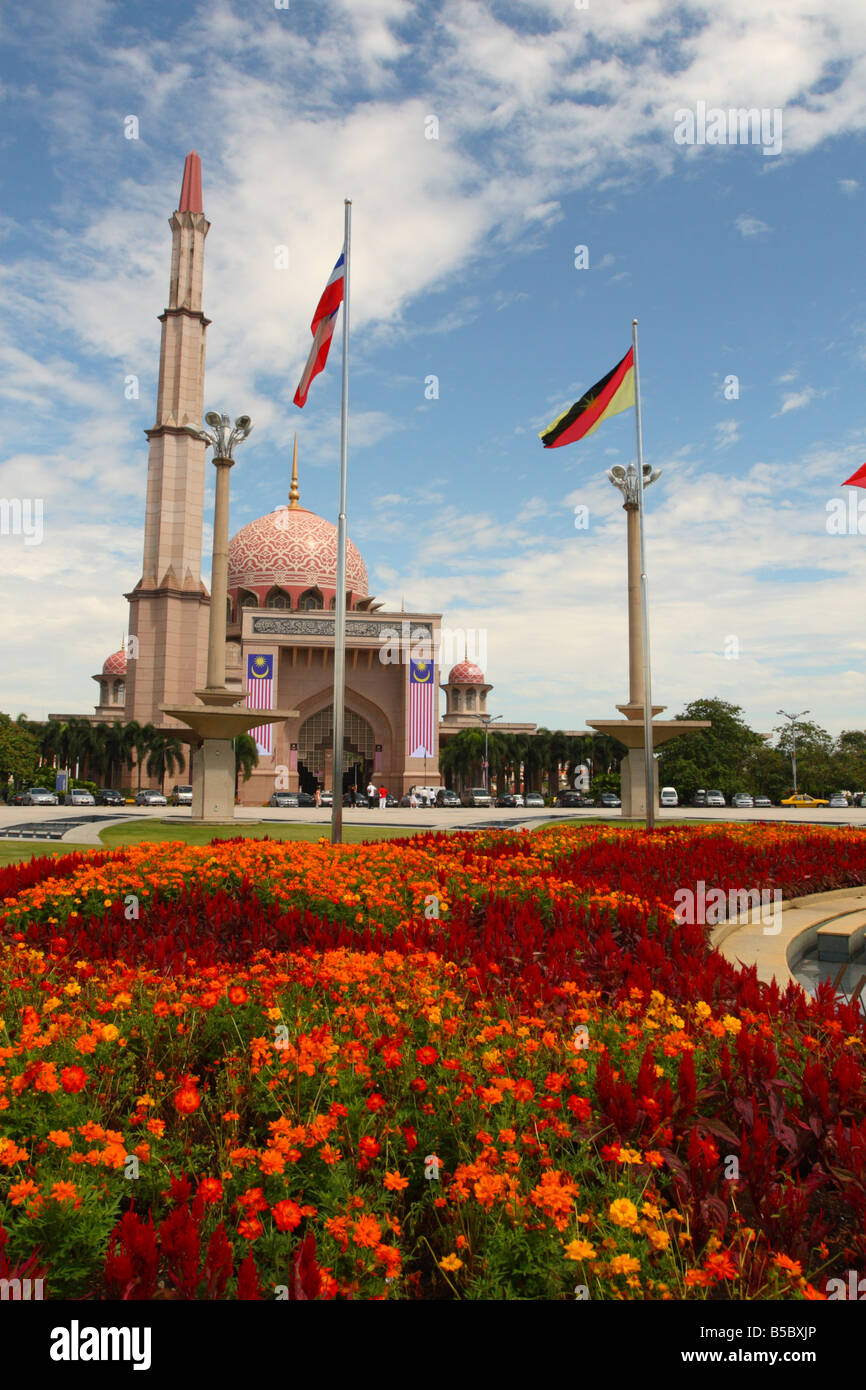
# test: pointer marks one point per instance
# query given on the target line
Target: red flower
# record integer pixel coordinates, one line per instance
(369, 1146)
(187, 1099)
(210, 1189)
(427, 1056)
(375, 1102)
(73, 1079)
(579, 1107)
(238, 995)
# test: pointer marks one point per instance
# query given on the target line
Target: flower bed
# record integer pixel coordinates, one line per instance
(476, 1066)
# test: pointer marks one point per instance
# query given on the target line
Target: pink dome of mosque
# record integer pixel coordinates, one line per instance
(466, 673)
(293, 548)
(115, 665)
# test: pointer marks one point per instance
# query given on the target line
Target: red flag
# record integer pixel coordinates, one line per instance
(857, 479)
(322, 329)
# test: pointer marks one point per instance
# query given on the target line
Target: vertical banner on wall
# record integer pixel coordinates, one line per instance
(260, 695)
(422, 707)
(293, 757)
(377, 760)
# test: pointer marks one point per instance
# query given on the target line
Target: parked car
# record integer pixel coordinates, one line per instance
(305, 799)
(475, 796)
(109, 797)
(149, 797)
(79, 796)
(743, 801)
(533, 799)
(837, 801)
(668, 797)
(39, 796)
(803, 799)
(446, 797)
(762, 801)
(506, 799)
(284, 799)
(699, 798)
(861, 801)
(572, 799)
(326, 799)
(715, 798)
(17, 799)
(610, 799)
(357, 799)
(426, 796)
(181, 796)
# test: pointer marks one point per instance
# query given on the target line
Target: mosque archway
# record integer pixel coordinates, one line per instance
(315, 745)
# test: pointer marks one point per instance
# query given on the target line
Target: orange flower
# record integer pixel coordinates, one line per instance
(451, 1263)
(523, 1089)
(237, 995)
(64, 1191)
(73, 1079)
(20, 1191)
(210, 1189)
(394, 1182)
(366, 1232)
(250, 1228)
(792, 1266)
(187, 1100)
(287, 1215)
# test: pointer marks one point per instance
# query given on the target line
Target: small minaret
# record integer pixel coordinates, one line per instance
(168, 606)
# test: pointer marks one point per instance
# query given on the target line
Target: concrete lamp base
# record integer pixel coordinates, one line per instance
(633, 767)
(213, 763)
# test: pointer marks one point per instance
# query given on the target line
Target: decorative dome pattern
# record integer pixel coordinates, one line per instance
(293, 547)
(115, 665)
(466, 673)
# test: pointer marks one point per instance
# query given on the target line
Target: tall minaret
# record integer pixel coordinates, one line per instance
(169, 604)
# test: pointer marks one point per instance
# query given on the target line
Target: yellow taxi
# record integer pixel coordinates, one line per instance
(803, 799)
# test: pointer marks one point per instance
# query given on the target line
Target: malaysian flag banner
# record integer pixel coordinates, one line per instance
(322, 329)
(260, 695)
(293, 757)
(422, 708)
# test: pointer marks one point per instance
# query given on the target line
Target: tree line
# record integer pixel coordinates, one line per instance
(103, 752)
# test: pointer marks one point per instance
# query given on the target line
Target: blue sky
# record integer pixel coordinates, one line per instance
(555, 130)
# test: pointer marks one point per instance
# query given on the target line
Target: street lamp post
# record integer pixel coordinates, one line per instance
(793, 718)
(486, 720)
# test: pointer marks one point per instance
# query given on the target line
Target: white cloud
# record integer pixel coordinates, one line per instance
(849, 187)
(749, 226)
(727, 433)
(796, 400)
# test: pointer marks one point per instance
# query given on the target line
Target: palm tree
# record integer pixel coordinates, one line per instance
(246, 757)
(538, 748)
(140, 737)
(165, 755)
(117, 741)
(557, 753)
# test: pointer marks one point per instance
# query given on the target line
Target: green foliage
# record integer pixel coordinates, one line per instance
(714, 757)
(19, 752)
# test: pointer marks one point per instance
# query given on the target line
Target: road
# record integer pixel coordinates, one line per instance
(82, 824)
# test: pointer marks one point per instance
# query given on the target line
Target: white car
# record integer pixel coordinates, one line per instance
(80, 796)
(150, 798)
(475, 796)
(40, 796)
(668, 797)
(715, 798)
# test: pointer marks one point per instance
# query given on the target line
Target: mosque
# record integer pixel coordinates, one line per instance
(281, 600)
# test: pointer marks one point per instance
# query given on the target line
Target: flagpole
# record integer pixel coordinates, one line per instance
(649, 771)
(340, 602)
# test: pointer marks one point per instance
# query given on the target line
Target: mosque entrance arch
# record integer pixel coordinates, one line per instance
(315, 744)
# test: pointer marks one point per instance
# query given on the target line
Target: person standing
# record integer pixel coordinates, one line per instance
(371, 793)
(318, 797)
(413, 800)
(383, 798)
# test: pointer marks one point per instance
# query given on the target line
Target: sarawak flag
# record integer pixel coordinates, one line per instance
(857, 479)
(322, 329)
(260, 695)
(422, 708)
(614, 393)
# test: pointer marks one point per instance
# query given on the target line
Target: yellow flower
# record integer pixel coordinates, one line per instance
(109, 1032)
(72, 988)
(702, 1009)
(733, 1025)
(579, 1250)
(622, 1212)
(658, 1239)
(451, 1263)
(624, 1264)
(649, 1209)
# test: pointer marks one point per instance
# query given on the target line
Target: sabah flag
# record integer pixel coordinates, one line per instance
(322, 329)
(615, 392)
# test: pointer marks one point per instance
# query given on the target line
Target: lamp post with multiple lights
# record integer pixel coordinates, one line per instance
(793, 718)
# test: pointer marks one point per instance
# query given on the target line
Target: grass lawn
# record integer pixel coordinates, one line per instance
(133, 832)
(13, 850)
